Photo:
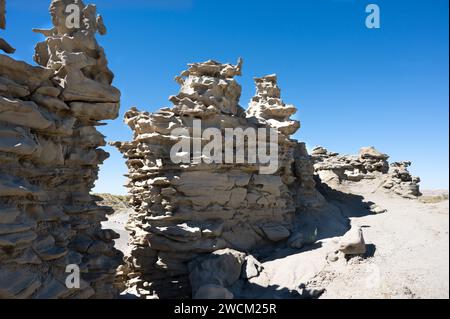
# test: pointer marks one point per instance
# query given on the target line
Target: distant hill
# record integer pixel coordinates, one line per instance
(117, 202)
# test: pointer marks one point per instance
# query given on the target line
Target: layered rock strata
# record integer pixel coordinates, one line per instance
(49, 158)
(369, 164)
(267, 108)
(186, 210)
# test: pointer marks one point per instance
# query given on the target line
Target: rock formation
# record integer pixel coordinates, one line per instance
(268, 107)
(4, 46)
(370, 164)
(185, 211)
(352, 243)
(49, 154)
(401, 182)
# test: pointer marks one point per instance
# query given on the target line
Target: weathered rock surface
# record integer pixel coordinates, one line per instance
(184, 211)
(401, 182)
(268, 107)
(352, 243)
(370, 164)
(216, 273)
(49, 156)
(4, 46)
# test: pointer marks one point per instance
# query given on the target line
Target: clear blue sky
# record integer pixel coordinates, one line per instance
(353, 86)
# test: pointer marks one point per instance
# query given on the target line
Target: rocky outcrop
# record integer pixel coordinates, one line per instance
(49, 155)
(370, 164)
(189, 204)
(401, 182)
(268, 107)
(4, 46)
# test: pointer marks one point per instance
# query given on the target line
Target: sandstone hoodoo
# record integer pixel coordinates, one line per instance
(183, 212)
(369, 165)
(49, 155)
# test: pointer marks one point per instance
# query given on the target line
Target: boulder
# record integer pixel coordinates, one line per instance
(352, 243)
(222, 268)
(251, 268)
(275, 232)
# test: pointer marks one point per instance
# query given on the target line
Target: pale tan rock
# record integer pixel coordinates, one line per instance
(51, 103)
(23, 73)
(221, 268)
(371, 152)
(251, 268)
(23, 113)
(267, 106)
(183, 212)
(334, 169)
(77, 87)
(352, 243)
(49, 157)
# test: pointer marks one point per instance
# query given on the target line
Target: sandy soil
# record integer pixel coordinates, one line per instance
(411, 257)
(408, 255)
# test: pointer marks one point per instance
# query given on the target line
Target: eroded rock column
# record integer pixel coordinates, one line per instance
(186, 210)
(49, 154)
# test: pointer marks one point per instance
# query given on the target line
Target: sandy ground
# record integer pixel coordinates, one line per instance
(411, 257)
(408, 253)
(117, 222)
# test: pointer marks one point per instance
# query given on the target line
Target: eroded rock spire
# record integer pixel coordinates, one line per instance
(192, 217)
(267, 106)
(50, 152)
(74, 54)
